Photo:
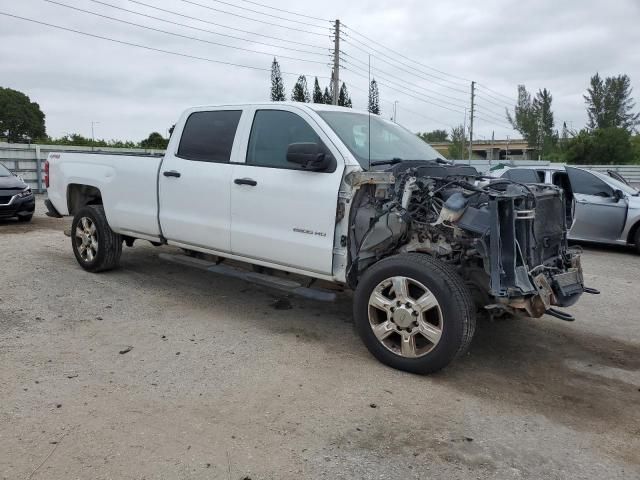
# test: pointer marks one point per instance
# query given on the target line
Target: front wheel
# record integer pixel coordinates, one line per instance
(96, 247)
(414, 313)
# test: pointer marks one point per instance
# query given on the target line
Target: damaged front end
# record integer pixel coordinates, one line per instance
(507, 240)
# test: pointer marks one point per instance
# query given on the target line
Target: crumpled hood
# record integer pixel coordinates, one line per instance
(12, 183)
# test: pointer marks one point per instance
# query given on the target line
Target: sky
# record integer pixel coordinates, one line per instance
(424, 54)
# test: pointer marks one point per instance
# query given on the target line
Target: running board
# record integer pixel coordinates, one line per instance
(261, 279)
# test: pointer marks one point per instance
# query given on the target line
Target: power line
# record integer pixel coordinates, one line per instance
(494, 92)
(146, 47)
(178, 34)
(378, 74)
(266, 14)
(393, 61)
(430, 102)
(208, 22)
(421, 64)
(466, 80)
(286, 11)
(404, 109)
(248, 18)
(485, 99)
(493, 120)
(218, 33)
(409, 83)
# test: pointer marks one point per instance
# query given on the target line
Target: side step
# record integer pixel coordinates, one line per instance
(261, 279)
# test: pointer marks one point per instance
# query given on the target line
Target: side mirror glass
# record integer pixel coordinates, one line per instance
(309, 156)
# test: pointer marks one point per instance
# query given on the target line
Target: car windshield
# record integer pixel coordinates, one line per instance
(388, 140)
(616, 184)
(4, 171)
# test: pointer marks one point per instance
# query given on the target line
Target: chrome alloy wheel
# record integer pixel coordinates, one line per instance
(405, 317)
(86, 239)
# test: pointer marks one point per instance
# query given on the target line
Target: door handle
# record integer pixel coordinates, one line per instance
(245, 181)
(171, 173)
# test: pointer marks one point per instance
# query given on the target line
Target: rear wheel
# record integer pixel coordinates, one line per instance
(414, 313)
(25, 218)
(96, 247)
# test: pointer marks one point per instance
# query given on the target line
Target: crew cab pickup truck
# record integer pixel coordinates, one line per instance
(339, 195)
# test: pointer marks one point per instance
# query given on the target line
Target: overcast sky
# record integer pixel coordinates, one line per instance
(132, 91)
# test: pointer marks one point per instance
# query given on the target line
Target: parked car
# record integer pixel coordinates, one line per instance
(607, 209)
(338, 195)
(16, 198)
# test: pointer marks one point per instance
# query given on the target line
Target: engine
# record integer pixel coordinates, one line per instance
(507, 240)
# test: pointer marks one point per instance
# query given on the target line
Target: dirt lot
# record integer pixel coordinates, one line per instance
(221, 385)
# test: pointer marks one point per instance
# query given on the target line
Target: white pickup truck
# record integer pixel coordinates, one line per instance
(339, 195)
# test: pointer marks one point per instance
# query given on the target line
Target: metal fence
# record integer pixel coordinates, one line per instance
(28, 160)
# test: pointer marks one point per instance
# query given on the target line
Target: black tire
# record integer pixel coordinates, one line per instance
(109, 243)
(453, 296)
(25, 218)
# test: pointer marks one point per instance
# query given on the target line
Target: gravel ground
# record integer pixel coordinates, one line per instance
(218, 384)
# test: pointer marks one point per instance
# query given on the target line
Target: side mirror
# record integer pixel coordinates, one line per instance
(309, 156)
(618, 195)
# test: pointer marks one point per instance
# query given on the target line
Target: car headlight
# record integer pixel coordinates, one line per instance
(25, 193)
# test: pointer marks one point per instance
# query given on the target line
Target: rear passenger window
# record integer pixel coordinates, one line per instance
(208, 136)
(272, 133)
(524, 175)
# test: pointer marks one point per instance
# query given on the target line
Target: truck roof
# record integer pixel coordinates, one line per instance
(311, 106)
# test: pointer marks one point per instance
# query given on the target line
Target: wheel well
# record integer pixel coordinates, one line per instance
(79, 196)
(632, 232)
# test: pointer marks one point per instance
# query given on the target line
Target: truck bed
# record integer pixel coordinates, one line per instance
(127, 183)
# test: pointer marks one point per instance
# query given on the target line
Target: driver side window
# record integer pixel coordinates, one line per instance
(272, 133)
(588, 184)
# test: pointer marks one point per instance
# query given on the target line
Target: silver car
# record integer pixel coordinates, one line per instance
(607, 210)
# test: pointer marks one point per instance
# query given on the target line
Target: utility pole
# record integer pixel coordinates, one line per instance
(473, 101)
(395, 111)
(336, 63)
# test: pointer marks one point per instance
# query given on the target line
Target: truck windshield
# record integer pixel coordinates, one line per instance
(389, 141)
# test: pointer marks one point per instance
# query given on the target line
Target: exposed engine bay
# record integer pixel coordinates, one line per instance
(508, 241)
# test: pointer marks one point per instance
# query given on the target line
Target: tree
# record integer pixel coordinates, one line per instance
(277, 85)
(458, 139)
(20, 119)
(300, 91)
(533, 118)
(635, 144)
(344, 100)
(610, 104)
(374, 98)
(317, 92)
(547, 136)
(606, 146)
(328, 98)
(155, 140)
(434, 136)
